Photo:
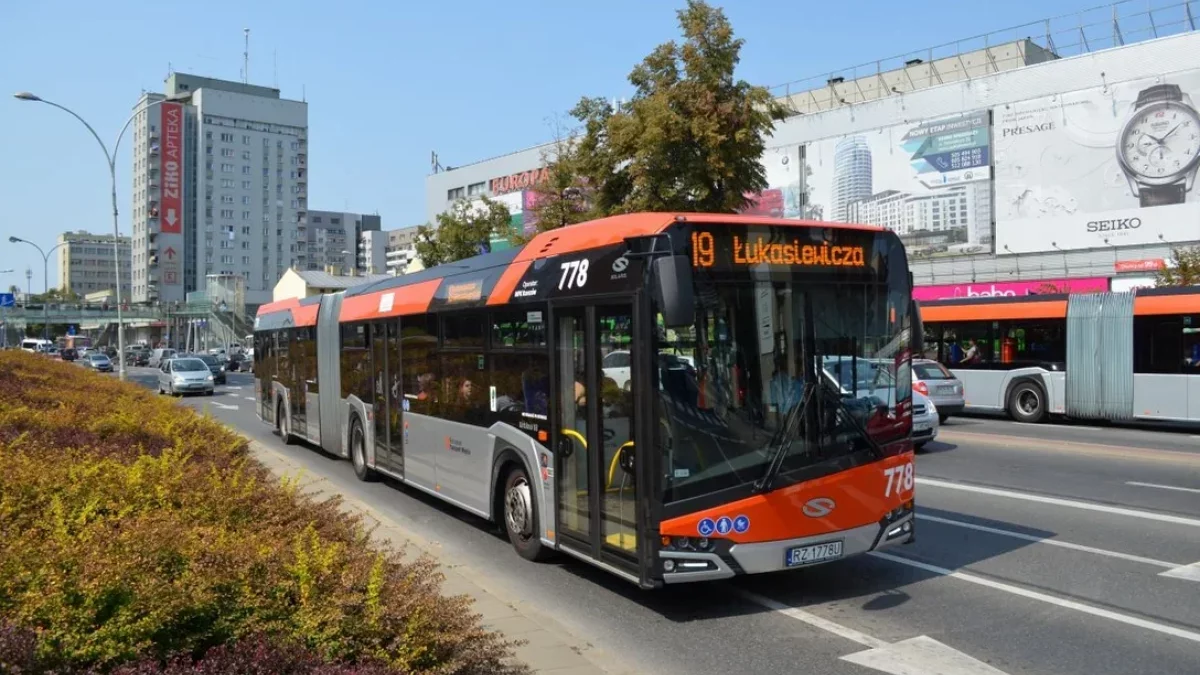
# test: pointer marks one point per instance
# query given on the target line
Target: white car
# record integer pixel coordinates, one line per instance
(925, 420)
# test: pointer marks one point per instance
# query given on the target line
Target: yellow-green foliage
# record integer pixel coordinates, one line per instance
(131, 527)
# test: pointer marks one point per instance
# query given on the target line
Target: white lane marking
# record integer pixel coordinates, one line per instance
(816, 621)
(1161, 487)
(223, 406)
(233, 387)
(921, 655)
(1187, 572)
(1057, 427)
(1050, 542)
(1070, 503)
(1045, 597)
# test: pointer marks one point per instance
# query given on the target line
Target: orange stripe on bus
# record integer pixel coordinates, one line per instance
(1184, 303)
(411, 299)
(507, 283)
(998, 311)
(278, 306)
(306, 315)
(860, 496)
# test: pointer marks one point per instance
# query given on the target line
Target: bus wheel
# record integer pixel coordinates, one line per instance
(520, 515)
(283, 424)
(358, 453)
(1027, 403)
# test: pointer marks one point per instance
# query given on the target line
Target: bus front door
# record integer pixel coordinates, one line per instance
(596, 490)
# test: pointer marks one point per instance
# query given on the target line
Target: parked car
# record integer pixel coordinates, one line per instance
(236, 363)
(184, 375)
(159, 355)
(937, 382)
(214, 366)
(925, 420)
(68, 354)
(98, 362)
(137, 357)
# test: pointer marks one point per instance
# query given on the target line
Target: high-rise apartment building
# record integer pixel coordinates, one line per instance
(86, 265)
(335, 239)
(852, 175)
(372, 249)
(401, 249)
(220, 186)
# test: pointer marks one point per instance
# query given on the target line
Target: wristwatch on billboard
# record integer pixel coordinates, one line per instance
(1159, 146)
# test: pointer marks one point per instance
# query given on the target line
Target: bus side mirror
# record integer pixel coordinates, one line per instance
(917, 339)
(672, 279)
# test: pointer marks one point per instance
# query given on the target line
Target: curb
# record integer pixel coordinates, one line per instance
(547, 646)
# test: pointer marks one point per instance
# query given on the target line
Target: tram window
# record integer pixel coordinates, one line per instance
(1166, 344)
(356, 362)
(418, 349)
(463, 329)
(465, 385)
(518, 329)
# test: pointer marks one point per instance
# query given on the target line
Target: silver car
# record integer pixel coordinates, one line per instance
(184, 376)
(935, 381)
(925, 419)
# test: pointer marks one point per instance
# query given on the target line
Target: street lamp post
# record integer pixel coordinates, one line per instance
(111, 157)
(45, 281)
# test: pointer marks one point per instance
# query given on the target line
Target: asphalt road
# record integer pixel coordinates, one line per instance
(1041, 549)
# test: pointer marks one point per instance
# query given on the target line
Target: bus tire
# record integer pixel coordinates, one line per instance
(283, 424)
(521, 515)
(358, 453)
(1027, 403)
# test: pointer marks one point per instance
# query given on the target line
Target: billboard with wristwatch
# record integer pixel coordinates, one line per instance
(1113, 165)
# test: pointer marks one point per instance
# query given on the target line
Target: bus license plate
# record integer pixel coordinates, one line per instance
(815, 553)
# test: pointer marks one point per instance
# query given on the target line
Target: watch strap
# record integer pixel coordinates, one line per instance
(1159, 92)
(1162, 195)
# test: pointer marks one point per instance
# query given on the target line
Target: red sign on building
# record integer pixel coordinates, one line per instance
(524, 180)
(1148, 265)
(171, 208)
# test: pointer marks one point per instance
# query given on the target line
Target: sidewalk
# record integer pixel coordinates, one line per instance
(548, 647)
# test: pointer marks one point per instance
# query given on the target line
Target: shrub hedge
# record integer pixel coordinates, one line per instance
(137, 536)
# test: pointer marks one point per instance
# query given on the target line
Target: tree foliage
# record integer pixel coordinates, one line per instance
(466, 230)
(1184, 269)
(562, 198)
(692, 136)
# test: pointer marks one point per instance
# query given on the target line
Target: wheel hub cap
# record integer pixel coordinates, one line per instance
(518, 508)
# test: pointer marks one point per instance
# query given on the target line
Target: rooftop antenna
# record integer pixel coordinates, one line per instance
(275, 67)
(246, 57)
(304, 93)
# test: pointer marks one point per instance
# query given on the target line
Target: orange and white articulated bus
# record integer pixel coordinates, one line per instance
(650, 393)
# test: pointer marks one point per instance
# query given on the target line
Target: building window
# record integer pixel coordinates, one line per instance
(226, 199)
(475, 189)
(227, 152)
(226, 168)
(246, 155)
(246, 200)
(246, 170)
(454, 194)
(245, 185)
(208, 135)
(227, 213)
(226, 137)
(245, 215)
(245, 140)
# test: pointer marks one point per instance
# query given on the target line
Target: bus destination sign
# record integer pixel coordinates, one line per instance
(750, 249)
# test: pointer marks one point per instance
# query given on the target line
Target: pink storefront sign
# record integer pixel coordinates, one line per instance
(1010, 288)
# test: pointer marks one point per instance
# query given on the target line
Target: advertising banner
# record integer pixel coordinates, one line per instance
(1010, 288)
(1107, 166)
(928, 181)
(169, 243)
(1145, 265)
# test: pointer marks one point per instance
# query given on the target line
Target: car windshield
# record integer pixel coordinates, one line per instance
(931, 370)
(188, 365)
(208, 360)
(97, 357)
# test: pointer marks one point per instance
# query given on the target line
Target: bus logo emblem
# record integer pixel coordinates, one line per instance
(819, 507)
(620, 264)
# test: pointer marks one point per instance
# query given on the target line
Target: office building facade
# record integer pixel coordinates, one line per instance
(220, 186)
(86, 264)
(335, 239)
(401, 250)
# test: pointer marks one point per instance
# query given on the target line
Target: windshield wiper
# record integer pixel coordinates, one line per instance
(782, 442)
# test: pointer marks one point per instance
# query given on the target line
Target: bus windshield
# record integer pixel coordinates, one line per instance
(795, 367)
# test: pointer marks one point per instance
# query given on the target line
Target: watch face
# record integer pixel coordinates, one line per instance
(1160, 143)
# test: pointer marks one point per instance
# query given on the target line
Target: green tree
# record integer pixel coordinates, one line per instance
(692, 136)
(467, 229)
(563, 197)
(1184, 269)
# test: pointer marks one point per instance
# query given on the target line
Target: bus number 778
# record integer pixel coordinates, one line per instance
(901, 476)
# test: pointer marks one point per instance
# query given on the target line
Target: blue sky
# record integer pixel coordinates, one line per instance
(386, 82)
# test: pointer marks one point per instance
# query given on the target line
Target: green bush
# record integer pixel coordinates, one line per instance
(132, 529)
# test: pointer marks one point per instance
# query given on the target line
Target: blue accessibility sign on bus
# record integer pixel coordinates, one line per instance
(706, 527)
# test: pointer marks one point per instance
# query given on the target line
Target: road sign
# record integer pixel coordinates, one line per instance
(7, 300)
(70, 330)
